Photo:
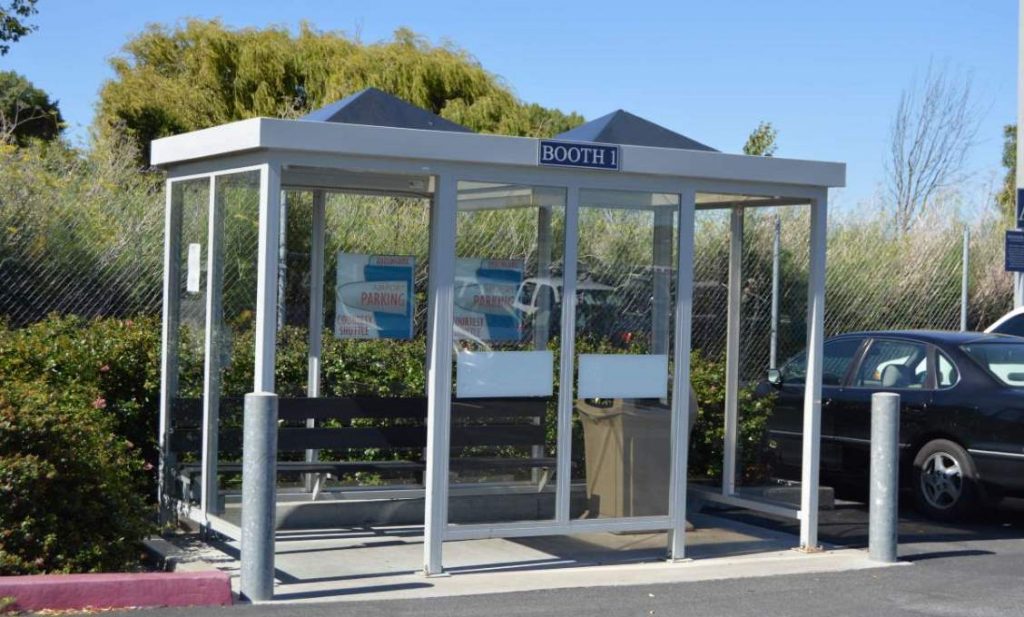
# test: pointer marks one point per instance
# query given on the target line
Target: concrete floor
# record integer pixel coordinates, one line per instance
(385, 562)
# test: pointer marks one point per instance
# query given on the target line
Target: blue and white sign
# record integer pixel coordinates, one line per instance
(374, 296)
(1014, 250)
(569, 154)
(485, 297)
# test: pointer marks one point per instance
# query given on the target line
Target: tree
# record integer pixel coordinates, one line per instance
(761, 141)
(26, 112)
(932, 133)
(202, 74)
(1007, 197)
(12, 22)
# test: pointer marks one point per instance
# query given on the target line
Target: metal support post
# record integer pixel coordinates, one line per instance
(316, 312)
(210, 487)
(773, 352)
(259, 449)
(259, 455)
(732, 350)
(282, 265)
(965, 278)
(567, 368)
(439, 369)
(812, 388)
(169, 346)
(885, 433)
(542, 319)
(681, 400)
(542, 323)
(661, 277)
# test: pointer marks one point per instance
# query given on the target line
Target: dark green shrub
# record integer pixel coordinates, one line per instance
(708, 436)
(71, 499)
(117, 360)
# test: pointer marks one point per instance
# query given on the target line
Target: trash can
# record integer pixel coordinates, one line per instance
(627, 445)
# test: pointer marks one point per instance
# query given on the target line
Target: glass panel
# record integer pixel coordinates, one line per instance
(1004, 361)
(374, 333)
(948, 375)
(893, 364)
(190, 201)
(624, 305)
(236, 218)
(509, 251)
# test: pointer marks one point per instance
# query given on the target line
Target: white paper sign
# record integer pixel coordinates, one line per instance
(195, 253)
(504, 373)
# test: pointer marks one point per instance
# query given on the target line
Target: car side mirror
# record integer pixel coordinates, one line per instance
(775, 377)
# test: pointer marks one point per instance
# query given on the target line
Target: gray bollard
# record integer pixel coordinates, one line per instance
(259, 485)
(884, 500)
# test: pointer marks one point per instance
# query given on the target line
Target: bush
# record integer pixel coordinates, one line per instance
(116, 361)
(708, 436)
(69, 485)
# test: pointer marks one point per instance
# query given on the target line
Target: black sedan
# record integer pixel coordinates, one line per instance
(961, 420)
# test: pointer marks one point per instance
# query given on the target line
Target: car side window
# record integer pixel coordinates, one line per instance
(836, 361)
(894, 364)
(947, 374)
(1013, 326)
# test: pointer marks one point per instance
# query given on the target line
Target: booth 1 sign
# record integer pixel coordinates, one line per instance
(568, 154)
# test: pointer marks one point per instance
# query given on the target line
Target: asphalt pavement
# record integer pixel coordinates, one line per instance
(970, 569)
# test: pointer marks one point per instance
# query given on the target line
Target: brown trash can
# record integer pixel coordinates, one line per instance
(627, 444)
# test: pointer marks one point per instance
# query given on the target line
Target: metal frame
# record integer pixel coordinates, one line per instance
(439, 368)
(317, 246)
(169, 345)
(208, 496)
(812, 389)
(277, 147)
(732, 349)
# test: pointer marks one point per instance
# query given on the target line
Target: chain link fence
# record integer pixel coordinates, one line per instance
(61, 256)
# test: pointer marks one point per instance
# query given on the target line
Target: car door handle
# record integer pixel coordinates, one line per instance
(825, 402)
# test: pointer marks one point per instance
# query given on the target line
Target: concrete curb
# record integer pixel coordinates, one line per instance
(150, 589)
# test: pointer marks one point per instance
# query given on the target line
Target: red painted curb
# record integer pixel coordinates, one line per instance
(150, 589)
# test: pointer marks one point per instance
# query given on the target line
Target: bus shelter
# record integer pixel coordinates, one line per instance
(538, 291)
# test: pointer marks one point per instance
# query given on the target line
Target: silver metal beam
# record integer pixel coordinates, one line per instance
(732, 350)
(773, 352)
(542, 323)
(316, 309)
(680, 437)
(965, 278)
(884, 493)
(566, 374)
(812, 388)
(209, 487)
(282, 265)
(439, 369)
(169, 346)
(259, 449)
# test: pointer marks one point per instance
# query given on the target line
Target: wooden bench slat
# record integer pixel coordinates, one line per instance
(188, 412)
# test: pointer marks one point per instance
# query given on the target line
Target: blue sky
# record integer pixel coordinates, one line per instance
(827, 74)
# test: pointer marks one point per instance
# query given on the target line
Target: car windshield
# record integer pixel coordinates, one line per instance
(1004, 360)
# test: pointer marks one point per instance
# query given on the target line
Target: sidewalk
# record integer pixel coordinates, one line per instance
(383, 563)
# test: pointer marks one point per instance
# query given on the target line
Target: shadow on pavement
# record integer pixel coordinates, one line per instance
(847, 524)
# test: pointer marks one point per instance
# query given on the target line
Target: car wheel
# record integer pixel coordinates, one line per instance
(945, 481)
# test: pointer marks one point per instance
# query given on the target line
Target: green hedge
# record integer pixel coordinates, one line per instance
(79, 413)
(70, 489)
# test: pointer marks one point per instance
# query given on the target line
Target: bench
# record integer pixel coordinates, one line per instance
(394, 426)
